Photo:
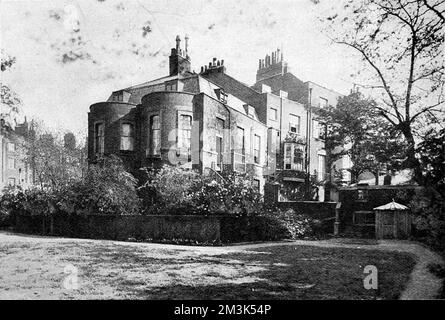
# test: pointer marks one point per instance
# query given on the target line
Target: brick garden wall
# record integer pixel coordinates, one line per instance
(374, 196)
(204, 229)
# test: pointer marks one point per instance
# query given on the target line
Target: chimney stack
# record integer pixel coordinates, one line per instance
(186, 45)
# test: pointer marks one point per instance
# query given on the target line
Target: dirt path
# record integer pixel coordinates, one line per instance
(422, 285)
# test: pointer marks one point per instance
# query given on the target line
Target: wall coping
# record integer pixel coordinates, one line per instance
(379, 187)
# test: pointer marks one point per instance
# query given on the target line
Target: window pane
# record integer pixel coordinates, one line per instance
(11, 163)
(11, 147)
(220, 126)
(323, 102)
(127, 143)
(127, 129)
(155, 135)
(294, 123)
(155, 123)
(127, 139)
(256, 148)
(321, 167)
(273, 114)
(239, 143)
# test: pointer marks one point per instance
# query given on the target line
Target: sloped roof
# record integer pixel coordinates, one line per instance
(392, 206)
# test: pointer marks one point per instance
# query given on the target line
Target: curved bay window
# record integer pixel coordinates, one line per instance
(293, 156)
(127, 137)
(155, 135)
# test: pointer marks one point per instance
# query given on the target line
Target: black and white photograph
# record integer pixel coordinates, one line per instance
(247, 152)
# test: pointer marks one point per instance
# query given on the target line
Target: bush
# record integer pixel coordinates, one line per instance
(428, 208)
(233, 194)
(297, 226)
(169, 190)
(182, 191)
(107, 189)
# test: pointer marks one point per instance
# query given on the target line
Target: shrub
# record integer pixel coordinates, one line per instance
(297, 226)
(428, 208)
(182, 191)
(233, 194)
(106, 189)
(170, 190)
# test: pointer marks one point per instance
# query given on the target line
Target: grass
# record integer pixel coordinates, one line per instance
(34, 269)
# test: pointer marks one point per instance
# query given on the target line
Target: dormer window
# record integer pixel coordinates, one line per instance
(172, 86)
(222, 96)
(119, 96)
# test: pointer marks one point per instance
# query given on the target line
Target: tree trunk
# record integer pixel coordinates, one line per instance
(412, 162)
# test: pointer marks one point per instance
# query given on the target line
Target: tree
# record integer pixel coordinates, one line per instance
(432, 158)
(400, 44)
(357, 130)
(55, 162)
(10, 101)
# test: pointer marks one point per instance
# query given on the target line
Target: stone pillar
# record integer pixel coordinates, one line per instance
(271, 191)
(337, 219)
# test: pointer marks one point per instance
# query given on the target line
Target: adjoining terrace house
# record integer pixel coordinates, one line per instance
(207, 121)
(14, 170)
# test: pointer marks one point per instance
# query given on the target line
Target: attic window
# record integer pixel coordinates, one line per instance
(171, 86)
(119, 96)
(222, 96)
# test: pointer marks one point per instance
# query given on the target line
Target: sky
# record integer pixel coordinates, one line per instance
(71, 54)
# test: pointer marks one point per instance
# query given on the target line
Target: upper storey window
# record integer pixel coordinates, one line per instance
(11, 147)
(293, 156)
(172, 86)
(294, 124)
(155, 135)
(118, 96)
(127, 137)
(323, 102)
(319, 130)
(273, 114)
(185, 134)
(99, 138)
(256, 148)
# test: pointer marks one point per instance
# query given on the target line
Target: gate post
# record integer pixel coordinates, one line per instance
(337, 219)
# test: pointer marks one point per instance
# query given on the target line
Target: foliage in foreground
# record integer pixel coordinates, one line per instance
(181, 191)
(106, 189)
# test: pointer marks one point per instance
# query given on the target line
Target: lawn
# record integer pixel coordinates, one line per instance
(33, 268)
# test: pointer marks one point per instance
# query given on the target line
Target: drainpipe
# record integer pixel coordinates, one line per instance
(230, 136)
(308, 140)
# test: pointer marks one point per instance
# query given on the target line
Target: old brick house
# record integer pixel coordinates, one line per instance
(182, 119)
(211, 121)
(288, 106)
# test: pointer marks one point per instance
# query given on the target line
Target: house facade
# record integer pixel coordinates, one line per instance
(14, 169)
(210, 121)
(181, 119)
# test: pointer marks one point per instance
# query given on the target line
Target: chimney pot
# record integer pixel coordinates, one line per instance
(222, 62)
